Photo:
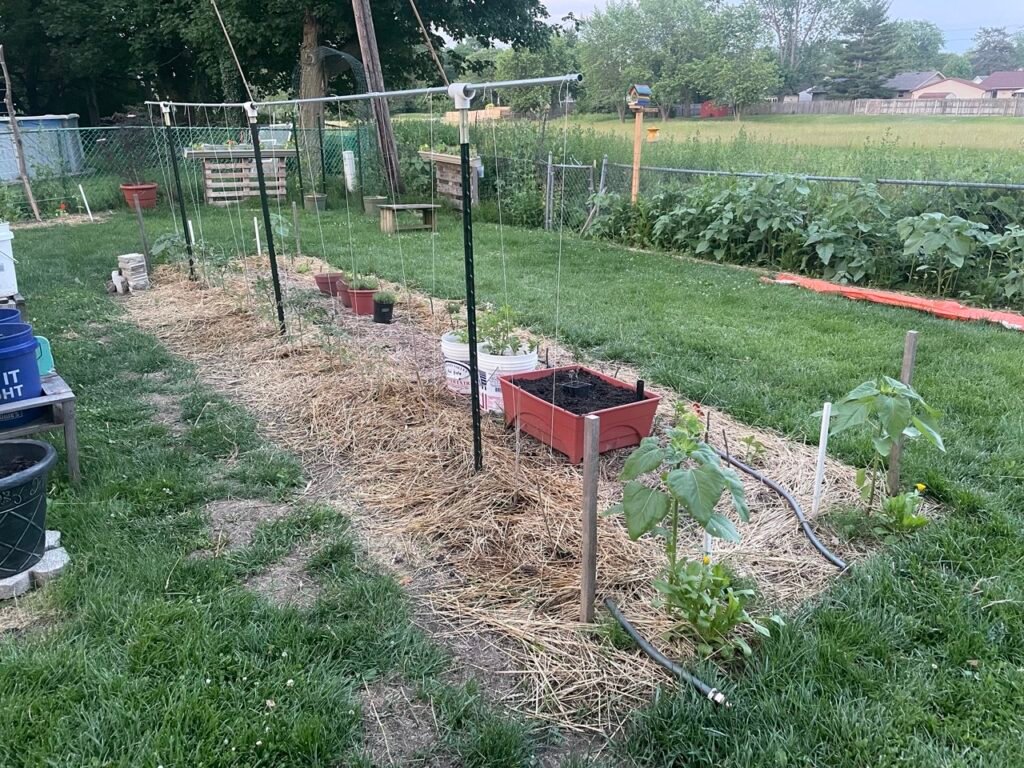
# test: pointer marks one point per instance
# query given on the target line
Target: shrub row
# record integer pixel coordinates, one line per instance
(972, 250)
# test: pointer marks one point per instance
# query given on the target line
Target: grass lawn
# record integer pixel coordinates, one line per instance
(914, 658)
(143, 655)
(994, 133)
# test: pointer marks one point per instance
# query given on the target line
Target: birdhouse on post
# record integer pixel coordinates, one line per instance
(638, 97)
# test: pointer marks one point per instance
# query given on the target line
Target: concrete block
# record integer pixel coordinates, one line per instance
(52, 539)
(15, 585)
(51, 566)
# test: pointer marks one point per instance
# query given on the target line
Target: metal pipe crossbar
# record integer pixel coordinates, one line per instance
(465, 88)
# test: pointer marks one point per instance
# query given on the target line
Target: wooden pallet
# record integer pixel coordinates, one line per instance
(448, 175)
(229, 175)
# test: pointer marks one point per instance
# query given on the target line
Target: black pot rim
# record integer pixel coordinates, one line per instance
(40, 467)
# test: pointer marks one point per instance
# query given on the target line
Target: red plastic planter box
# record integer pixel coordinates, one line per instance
(621, 427)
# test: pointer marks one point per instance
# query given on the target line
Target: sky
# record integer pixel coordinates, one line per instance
(957, 19)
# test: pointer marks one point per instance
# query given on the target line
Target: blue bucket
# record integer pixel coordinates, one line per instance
(10, 315)
(19, 379)
(14, 334)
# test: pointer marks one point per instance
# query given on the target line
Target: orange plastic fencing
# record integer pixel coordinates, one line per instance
(944, 308)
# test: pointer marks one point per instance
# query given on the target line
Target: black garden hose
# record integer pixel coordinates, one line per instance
(662, 660)
(837, 561)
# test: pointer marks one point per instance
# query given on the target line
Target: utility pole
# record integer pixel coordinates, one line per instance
(375, 82)
(19, 148)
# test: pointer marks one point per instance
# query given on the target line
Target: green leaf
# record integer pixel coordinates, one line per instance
(894, 413)
(926, 423)
(643, 508)
(647, 457)
(698, 489)
(847, 416)
(722, 527)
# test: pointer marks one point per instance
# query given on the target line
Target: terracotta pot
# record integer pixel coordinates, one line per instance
(331, 283)
(146, 192)
(622, 426)
(362, 300)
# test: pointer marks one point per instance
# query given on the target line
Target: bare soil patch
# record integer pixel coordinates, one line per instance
(232, 521)
(287, 582)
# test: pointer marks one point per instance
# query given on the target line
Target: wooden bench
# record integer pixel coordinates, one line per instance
(58, 403)
(389, 217)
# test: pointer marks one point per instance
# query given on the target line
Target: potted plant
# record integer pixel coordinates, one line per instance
(333, 284)
(361, 291)
(502, 351)
(455, 351)
(24, 468)
(550, 404)
(383, 306)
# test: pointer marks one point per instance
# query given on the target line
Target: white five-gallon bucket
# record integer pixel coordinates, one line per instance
(348, 164)
(493, 366)
(456, 364)
(8, 280)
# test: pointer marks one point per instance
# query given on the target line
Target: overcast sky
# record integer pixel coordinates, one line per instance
(959, 20)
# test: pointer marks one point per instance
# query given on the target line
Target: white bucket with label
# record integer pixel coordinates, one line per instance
(8, 279)
(493, 366)
(348, 164)
(456, 364)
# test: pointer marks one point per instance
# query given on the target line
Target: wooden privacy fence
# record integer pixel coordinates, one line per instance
(920, 107)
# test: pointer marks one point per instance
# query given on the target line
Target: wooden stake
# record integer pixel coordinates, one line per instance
(142, 233)
(19, 148)
(375, 82)
(638, 141)
(906, 376)
(591, 458)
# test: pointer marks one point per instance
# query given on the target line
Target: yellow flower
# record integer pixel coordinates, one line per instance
(921, 487)
(707, 559)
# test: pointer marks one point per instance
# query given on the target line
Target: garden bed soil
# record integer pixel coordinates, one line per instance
(505, 535)
(15, 465)
(601, 395)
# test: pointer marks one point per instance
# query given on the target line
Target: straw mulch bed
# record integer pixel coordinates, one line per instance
(365, 406)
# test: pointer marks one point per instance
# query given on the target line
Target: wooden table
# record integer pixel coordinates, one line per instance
(58, 404)
(389, 217)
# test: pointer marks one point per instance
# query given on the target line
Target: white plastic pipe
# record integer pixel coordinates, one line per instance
(86, 201)
(191, 232)
(819, 470)
(256, 227)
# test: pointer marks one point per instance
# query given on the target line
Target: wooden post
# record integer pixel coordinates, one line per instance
(295, 223)
(375, 82)
(906, 376)
(591, 459)
(638, 142)
(549, 193)
(19, 148)
(142, 233)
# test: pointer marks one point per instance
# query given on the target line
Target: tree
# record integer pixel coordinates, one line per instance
(176, 49)
(918, 46)
(867, 53)
(558, 57)
(954, 65)
(740, 70)
(993, 51)
(610, 41)
(803, 30)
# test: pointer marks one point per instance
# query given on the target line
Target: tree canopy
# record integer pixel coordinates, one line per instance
(96, 56)
(867, 54)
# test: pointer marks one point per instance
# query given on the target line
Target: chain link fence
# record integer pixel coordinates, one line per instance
(68, 166)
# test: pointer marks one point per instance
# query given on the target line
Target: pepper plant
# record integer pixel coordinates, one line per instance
(690, 481)
(891, 411)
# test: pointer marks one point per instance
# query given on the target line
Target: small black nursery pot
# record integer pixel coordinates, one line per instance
(383, 307)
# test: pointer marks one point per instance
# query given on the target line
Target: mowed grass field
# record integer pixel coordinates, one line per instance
(992, 133)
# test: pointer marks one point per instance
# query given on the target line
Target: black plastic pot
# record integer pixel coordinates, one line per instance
(23, 503)
(576, 388)
(382, 313)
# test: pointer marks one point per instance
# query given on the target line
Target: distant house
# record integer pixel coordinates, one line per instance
(815, 93)
(1003, 85)
(904, 84)
(950, 88)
